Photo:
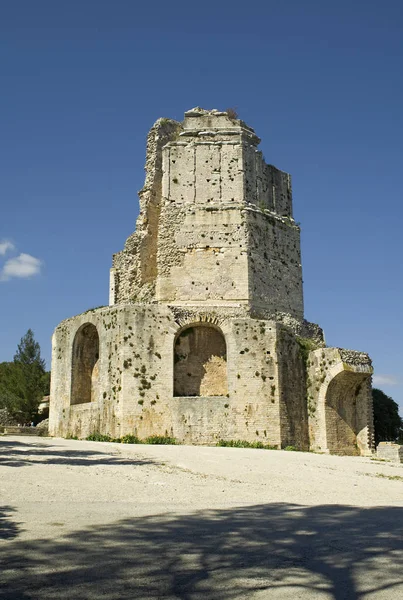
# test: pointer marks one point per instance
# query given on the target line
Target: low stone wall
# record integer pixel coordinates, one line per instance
(15, 430)
(390, 451)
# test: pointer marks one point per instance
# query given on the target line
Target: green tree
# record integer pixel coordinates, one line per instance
(29, 352)
(24, 381)
(11, 387)
(388, 425)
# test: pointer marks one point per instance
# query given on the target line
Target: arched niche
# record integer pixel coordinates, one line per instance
(84, 373)
(200, 362)
(346, 412)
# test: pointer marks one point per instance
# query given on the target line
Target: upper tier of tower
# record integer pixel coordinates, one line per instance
(215, 224)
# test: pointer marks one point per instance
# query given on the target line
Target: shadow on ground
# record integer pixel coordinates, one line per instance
(9, 529)
(20, 454)
(264, 551)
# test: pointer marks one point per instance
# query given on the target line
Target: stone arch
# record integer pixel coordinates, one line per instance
(200, 361)
(345, 412)
(340, 401)
(341, 420)
(85, 365)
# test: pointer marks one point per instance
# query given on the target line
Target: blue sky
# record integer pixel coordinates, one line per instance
(321, 82)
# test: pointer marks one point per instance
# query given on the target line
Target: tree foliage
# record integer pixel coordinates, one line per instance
(29, 352)
(24, 381)
(388, 425)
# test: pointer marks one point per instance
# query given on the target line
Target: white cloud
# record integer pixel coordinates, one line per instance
(23, 265)
(385, 380)
(5, 245)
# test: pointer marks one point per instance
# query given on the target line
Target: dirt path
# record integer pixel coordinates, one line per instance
(87, 520)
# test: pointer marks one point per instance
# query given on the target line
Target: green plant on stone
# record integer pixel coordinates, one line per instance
(130, 439)
(306, 346)
(160, 440)
(245, 444)
(98, 437)
(391, 477)
(232, 113)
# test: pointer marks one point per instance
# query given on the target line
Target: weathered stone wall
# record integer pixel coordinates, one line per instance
(275, 272)
(390, 451)
(202, 245)
(215, 221)
(134, 269)
(136, 382)
(292, 391)
(204, 257)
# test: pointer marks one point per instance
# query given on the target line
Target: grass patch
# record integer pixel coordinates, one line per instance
(245, 444)
(130, 439)
(391, 477)
(160, 440)
(98, 437)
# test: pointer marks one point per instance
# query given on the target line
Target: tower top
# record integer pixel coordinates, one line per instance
(202, 122)
(215, 225)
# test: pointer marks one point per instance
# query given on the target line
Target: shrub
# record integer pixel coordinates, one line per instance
(245, 444)
(160, 439)
(99, 437)
(130, 439)
(232, 113)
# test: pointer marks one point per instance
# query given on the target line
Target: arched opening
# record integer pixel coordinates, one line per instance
(200, 362)
(345, 412)
(85, 375)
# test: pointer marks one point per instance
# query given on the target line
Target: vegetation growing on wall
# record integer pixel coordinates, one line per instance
(245, 444)
(132, 439)
(306, 345)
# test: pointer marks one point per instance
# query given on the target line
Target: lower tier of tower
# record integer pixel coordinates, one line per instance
(202, 375)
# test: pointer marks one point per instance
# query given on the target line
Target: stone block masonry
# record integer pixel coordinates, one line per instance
(205, 338)
(390, 451)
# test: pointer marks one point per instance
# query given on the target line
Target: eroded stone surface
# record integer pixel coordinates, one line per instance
(390, 451)
(205, 337)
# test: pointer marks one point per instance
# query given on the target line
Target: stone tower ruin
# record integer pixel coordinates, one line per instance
(205, 338)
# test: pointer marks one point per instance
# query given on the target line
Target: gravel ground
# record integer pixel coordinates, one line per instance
(89, 520)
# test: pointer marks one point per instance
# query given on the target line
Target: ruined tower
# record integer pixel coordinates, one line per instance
(216, 222)
(205, 337)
